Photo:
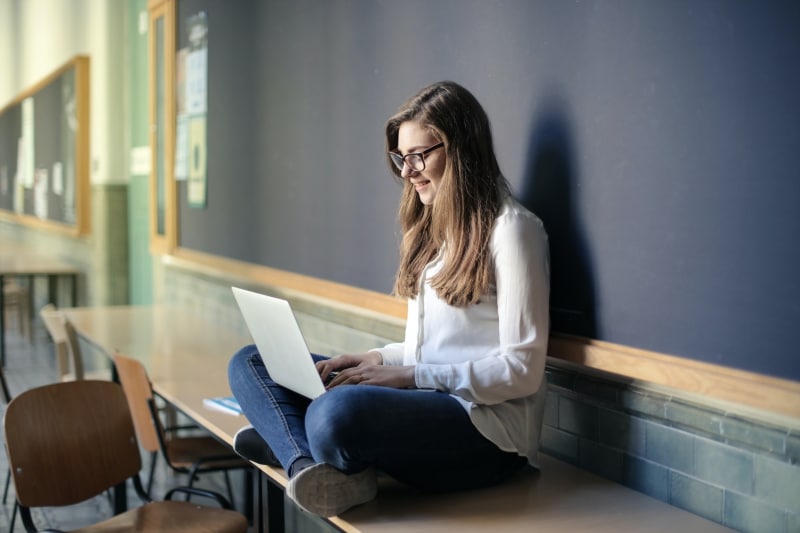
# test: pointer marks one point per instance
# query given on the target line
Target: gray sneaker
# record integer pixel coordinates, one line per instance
(325, 491)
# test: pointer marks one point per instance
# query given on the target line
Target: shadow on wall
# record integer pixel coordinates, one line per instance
(548, 189)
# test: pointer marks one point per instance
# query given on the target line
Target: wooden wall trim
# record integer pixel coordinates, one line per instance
(217, 266)
(41, 84)
(770, 394)
(162, 241)
(83, 208)
(756, 393)
(31, 221)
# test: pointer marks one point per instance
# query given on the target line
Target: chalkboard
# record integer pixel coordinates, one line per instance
(44, 151)
(658, 141)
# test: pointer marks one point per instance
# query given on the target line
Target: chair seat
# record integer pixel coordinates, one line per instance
(184, 451)
(172, 516)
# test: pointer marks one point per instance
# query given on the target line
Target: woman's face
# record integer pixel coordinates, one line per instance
(412, 137)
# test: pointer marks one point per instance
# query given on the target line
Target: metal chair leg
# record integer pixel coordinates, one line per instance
(8, 482)
(228, 484)
(192, 478)
(153, 459)
(13, 517)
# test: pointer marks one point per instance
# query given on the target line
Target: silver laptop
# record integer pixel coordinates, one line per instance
(280, 342)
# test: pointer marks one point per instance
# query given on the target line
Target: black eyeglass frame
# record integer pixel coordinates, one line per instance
(400, 160)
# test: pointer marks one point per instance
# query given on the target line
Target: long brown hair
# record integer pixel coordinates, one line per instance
(459, 222)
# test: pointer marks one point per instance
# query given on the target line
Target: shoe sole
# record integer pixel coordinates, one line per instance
(325, 491)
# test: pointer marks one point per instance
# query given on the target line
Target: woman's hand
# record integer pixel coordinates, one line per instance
(398, 377)
(341, 362)
(364, 369)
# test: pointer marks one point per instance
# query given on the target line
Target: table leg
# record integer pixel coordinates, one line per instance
(52, 289)
(29, 280)
(258, 478)
(275, 518)
(248, 491)
(74, 294)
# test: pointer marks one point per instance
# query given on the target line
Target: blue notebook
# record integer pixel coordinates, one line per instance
(226, 404)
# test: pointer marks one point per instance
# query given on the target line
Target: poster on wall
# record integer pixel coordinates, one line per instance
(26, 157)
(191, 85)
(196, 189)
(181, 119)
(181, 148)
(40, 188)
(58, 178)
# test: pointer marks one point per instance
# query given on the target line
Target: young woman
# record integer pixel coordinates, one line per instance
(459, 403)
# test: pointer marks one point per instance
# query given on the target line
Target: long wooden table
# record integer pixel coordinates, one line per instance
(182, 352)
(20, 262)
(187, 356)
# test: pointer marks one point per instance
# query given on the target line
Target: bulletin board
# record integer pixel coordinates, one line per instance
(44, 152)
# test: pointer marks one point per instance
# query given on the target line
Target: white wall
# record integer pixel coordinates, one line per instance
(8, 66)
(39, 36)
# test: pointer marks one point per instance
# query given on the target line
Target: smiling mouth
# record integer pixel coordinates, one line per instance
(421, 184)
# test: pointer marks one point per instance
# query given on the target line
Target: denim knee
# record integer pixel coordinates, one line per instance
(333, 423)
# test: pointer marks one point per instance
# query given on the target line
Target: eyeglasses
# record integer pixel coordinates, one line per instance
(414, 160)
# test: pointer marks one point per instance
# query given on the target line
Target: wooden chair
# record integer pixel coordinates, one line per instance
(190, 455)
(16, 298)
(69, 359)
(68, 442)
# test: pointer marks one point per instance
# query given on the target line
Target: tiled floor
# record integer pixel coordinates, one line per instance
(30, 364)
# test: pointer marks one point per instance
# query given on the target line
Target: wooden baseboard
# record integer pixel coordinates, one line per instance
(752, 391)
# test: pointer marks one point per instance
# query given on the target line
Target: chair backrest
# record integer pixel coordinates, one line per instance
(67, 442)
(65, 340)
(136, 384)
(74, 350)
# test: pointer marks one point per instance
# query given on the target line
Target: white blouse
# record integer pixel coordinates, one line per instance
(490, 355)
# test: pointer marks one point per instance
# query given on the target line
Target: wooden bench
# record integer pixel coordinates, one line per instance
(558, 498)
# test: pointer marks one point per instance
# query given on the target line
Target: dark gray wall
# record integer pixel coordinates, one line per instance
(659, 142)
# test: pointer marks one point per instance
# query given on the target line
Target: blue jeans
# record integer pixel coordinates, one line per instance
(422, 438)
